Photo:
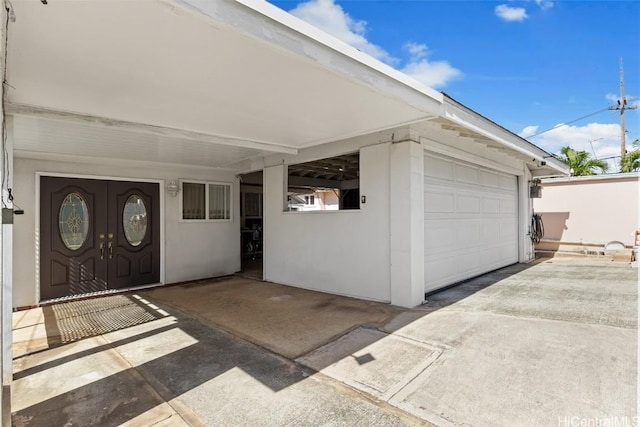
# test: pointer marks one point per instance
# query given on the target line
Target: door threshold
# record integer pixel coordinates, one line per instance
(96, 294)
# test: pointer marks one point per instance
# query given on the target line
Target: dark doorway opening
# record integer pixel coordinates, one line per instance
(251, 224)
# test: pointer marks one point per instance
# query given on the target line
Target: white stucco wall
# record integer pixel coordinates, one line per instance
(407, 223)
(589, 210)
(190, 251)
(342, 252)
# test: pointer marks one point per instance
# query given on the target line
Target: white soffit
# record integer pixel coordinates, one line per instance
(486, 130)
(36, 136)
(236, 73)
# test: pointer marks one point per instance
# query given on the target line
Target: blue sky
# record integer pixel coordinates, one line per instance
(527, 65)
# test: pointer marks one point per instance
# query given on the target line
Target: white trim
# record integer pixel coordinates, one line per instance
(365, 133)
(161, 184)
(40, 155)
(38, 240)
(434, 147)
(99, 177)
(206, 196)
(321, 212)
(526, 251)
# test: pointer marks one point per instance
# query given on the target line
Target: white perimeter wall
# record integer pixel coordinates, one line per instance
(191, 250)
(342, 252)
(590, 211)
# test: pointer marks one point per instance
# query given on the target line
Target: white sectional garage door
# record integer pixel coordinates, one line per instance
(471, 220)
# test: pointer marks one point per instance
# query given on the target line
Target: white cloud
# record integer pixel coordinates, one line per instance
(416, 50)
(601, 138)
(544, 4)
(528, 131)
(331, 18)
(511, 14)
(430, 73)
(611, 97)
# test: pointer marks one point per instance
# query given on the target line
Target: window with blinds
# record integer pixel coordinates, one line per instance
(219, 198)
(206, 201)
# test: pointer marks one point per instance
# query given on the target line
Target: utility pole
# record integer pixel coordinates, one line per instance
(622, 106)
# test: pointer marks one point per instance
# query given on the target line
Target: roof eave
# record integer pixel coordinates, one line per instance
(544, 162)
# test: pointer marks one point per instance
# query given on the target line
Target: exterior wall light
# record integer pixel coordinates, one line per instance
(173, 188)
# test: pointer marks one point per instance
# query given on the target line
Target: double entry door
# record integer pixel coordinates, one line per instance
(97, 235)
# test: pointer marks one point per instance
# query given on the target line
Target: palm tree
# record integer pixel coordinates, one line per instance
(631, 161)
(581, 163)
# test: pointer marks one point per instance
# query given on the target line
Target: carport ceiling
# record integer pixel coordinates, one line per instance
(230, 72)
(340, 168)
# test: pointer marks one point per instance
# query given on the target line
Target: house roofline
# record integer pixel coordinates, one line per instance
(513, 140)
(296, 25)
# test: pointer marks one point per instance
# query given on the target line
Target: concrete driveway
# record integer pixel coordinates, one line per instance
(549, 343)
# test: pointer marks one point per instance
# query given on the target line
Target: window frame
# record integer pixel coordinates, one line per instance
(206, 201)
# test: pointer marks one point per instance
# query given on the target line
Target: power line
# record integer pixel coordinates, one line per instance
(568, 123)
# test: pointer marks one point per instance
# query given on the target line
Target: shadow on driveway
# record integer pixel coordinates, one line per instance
(518, 334)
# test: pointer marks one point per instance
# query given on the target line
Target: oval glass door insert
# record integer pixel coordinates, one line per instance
(134, 220)
(74, 221)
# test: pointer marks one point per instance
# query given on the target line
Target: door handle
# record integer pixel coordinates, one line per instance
(110, 245)
(101, 250)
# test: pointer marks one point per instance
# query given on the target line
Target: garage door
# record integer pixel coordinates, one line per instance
(471, 220)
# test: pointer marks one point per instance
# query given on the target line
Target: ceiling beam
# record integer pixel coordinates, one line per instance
(84, 119)
(301, 181)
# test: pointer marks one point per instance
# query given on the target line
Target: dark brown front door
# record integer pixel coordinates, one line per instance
(97, 235)
(134, 258)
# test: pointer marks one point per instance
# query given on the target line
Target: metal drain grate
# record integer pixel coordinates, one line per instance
(72, 321)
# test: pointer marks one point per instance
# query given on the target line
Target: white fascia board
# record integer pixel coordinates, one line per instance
(463, 116)
(267, 23)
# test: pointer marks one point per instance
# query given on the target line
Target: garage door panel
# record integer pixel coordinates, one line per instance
(436, 202)
(490, 255)
(440, 268)
(471, 220)
(509, 182)
(470, 259)
(468, 233)
(467, 204)
(467, 174)
(509, 252)
(490, 205)
(438, 238)
(508, 229)
(438, 168)
(491, 231)
(508, 206)
(489, 179)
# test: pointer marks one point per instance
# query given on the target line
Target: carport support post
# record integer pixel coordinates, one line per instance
(407, 223)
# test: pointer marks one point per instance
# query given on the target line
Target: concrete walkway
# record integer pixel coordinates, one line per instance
(527, 345)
